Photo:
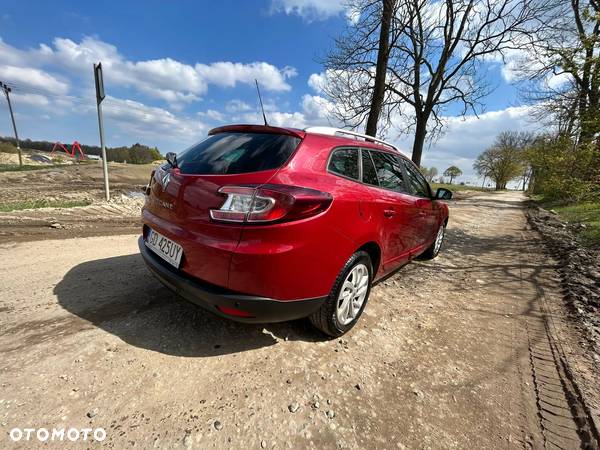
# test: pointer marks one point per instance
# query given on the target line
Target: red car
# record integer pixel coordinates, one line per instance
(265, 224)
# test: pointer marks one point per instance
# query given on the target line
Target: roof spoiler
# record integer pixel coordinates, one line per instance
(257, 129)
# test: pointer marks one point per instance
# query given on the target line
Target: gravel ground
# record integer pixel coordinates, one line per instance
(472, 350)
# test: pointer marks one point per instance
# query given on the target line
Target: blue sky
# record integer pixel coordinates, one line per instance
(173, 70)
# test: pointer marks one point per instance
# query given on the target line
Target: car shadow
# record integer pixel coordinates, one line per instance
(120, 296)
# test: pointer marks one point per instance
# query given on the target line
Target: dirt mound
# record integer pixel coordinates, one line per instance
(579, 270)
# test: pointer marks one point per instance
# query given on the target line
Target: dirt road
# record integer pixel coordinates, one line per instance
(459, 352)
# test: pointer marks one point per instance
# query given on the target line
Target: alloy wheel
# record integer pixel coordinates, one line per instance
(352, 294)
(438, 240)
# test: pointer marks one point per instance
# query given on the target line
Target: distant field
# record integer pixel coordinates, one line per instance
(458, 187)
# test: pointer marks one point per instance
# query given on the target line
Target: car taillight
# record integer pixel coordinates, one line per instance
(269, 203)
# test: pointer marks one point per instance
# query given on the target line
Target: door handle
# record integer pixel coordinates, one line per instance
(422, 213)
(389, 212)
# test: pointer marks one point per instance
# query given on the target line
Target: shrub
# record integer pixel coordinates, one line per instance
(6, 147)
(564, 171)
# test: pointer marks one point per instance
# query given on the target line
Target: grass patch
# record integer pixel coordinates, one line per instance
(586, 213)
(24, 167)
(458, 187)
(42, 203)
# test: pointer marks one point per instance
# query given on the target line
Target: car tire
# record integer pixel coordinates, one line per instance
(436, 246)
(330, 318)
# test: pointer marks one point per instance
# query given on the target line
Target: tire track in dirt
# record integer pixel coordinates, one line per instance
(564, 418)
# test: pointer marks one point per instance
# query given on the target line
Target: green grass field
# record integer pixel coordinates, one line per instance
(586, 213)
(41, 203)
(24, 167)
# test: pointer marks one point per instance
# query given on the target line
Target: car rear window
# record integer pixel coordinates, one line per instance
(344, 162)
(232, 153)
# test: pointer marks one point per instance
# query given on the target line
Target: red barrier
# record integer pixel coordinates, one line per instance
(74, 147)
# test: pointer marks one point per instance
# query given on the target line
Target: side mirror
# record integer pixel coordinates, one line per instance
(172, 159)
(443, 194)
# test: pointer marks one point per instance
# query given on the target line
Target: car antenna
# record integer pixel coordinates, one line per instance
(261, 103)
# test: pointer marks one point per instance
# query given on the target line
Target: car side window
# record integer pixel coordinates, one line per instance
(416, 182)
(369, 174)
(389, 172)
(344, 161)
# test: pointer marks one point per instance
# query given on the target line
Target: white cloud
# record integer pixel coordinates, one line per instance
(33, 78)
(212, 114)
(30, 99)
(311, 10)
(236, 105)
(227, 74)
(317, 81)
(314, 110)
(138, 119)
(173, 81)
(318, 110)
(557, 81)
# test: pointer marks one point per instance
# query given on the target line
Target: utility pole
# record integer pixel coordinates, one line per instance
(99, 97)
(7, 91)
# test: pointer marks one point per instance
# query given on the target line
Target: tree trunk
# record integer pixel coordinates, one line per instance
(420, 132)
(381, 68)
(525, 179)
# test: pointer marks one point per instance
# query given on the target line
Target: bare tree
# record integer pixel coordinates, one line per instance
(437, 52)
(357, 67)
(383, 54)
(563, 67)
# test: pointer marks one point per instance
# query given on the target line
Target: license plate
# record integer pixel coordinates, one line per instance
(164, 247)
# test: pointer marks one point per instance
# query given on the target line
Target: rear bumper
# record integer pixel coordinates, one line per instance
(210, 297)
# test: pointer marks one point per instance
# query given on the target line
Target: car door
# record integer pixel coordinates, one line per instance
(391, 206)
(426, 216)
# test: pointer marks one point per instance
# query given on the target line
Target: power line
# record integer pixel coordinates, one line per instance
(55, 96)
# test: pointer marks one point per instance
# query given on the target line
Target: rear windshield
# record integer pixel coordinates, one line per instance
(231, 153)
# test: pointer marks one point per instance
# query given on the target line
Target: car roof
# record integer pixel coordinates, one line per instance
(296, 132)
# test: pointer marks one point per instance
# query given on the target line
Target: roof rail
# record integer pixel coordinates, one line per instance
(337, 131)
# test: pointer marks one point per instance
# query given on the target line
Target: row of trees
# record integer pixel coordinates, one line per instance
(554, 165)
(134, 154)
(430, 173)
